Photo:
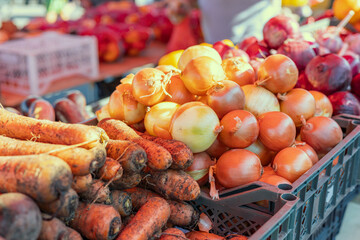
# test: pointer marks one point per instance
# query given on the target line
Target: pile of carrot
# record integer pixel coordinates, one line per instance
(94, 182)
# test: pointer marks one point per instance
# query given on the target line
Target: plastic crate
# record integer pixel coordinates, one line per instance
(28, 66)
(237, 211)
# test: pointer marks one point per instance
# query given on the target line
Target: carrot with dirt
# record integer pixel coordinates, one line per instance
(96, 221)
(73, 235)
(20, 217)
(182, 157)
(53, 229)
(150, 218)
(80, 160)
(173, 234)
(128, 180)
(81, 184)
(98, 192)
(158, 157)
(100, 154)
(110, 171)
(42, 177)
(131, 156)
(63, 207)
(26, 128)
(139, 196)
(198, 235)
(173, 184)
(121, 201)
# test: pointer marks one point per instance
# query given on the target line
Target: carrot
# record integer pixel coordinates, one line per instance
(100, 154)
(148, 220)
(63, 207)
(174, 184)
(121, 201)
(236, 237)
(128, 180)
(198, 235)
(158, 157)
(172, 234)
(80, 160)
(26, 128)
(182, 214)
(41, 177)
(97, 192)
(96, 221)
(81, 184)
(53, 229)
(73, 235)
(20, 218)
(111, 170)
(182, 156)
(131, 156)
(127, 219)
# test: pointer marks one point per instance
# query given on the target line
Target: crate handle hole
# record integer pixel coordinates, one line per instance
(288, 197)
(356, 122)
(285, 186)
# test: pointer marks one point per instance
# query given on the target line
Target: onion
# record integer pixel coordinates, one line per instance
(123, 106)
(197, 51)
(268, 170)
(196, 125)
(354, 61)
(277, 130)
(321, 133)
(148, 86)
(297, 103)
(240, 130)
(345, 102)
(308, 150)
(257, 50)
(225, 97)
(221, 47)
(265, 155)
(128, 79)
(168, 68)
(217, 148)
(355, 85)
(234, 52)
(323, 105)
(204, 224)
(303, 82)
(199, 169)
(237, 167)
(274, 180)
(178, 93)
(238, 71)
(255, 63)
(290, 163)
(278, 73)
(201, 73)
(244, 44)
(259, 100)
(328, 40)
(157, 119)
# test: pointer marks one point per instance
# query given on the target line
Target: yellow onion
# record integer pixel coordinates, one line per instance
(197, 51)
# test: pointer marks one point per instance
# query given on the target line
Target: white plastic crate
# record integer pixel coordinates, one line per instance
(28, 66)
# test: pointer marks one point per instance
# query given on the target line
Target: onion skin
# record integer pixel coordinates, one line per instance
(217, 148)
(168, 68)
(290, 163)
(197, 51)
(259, 100)
(264, 154)
(178, 92)
(278, 73)
(199, 169)
(308, 150)
(323, 106)
(200, 74)
(274, 180)
(225, 97)
(321, 133)
(240, 130)
(239, 71)
(298, 103)
(277, 130)
(237, 167)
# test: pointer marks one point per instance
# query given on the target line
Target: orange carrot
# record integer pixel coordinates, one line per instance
(97, 192)
(128, 180)
(100, 154)
(158, 157)
(236, 237)
(148, 220)
(20, 218)
(181, 154)
(173, 234)
(63, 207)
(41, 177)
(121, 201)
(111, 170)
(53, 229)
(26, 128)
(82, 183)
(96, 221)
(174, 184)
(80, 160)
(198, 235)
(140, 196)
(131, 156)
